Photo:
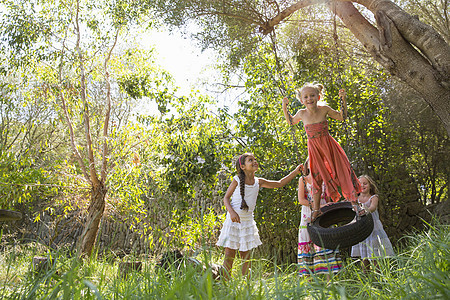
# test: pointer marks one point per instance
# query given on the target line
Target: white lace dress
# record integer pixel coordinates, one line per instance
(242, 236)
(377, 244)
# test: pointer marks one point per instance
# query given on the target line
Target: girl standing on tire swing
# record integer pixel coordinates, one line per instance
(239, 231)
(328, 162)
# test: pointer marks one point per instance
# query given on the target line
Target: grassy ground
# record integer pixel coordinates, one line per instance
(419, 271)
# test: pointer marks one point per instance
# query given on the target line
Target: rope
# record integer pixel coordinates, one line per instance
(284, 94)
(339, 79)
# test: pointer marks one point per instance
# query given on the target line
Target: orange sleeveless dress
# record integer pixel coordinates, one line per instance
(328, 163)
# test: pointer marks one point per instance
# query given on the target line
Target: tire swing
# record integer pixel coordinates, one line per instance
(339, 226)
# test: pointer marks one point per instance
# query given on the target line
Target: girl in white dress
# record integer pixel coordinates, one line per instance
(239, 231)
(377, 244)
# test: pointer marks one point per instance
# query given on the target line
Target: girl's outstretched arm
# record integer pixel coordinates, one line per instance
(291, 120)
(301, 193)
(374, 204)
(226, 200)
(272, 184)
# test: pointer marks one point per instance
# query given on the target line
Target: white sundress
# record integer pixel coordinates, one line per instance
(377, 244)
(242, 236)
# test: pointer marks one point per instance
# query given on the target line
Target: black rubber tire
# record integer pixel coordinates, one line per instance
(346, 233)
(9, 215)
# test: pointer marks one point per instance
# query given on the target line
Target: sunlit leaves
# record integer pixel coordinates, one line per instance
(140, 78)
(24, 32)
(192, 147)
(21, 182)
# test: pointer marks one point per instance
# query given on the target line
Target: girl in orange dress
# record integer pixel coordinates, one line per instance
(328, 162)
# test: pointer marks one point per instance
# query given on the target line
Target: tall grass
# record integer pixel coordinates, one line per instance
(420, 270)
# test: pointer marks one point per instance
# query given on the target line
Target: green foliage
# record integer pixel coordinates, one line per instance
(193, 144)
(29, 144)
(190, 233)
(424, 144)
(22, 182)
(141, 78)
(164, 173)
(24, 31)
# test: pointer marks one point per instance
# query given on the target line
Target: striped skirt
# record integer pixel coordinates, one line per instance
(313, 259)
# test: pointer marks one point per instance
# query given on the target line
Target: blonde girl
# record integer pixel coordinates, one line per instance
(328, 162)
(377, 244)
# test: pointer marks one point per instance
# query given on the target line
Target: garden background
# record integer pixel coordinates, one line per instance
(80, 150)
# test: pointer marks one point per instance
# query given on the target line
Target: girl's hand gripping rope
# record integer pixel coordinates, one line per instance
(343, 95)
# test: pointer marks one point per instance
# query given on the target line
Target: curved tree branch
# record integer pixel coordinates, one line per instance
(93, 173)
(108, 109)
(424, 37)
(269, 25)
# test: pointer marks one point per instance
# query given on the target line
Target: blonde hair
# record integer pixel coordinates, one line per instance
(373, 187)
(314, 85)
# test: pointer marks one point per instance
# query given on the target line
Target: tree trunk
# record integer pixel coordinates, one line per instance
(95, 213)
(389, 48)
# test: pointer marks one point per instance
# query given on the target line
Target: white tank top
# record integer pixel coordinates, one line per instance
(251, 194)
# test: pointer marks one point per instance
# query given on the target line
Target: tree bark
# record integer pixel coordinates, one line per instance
(98, 192)
(389, 48)
(95, 213)
(424, 37)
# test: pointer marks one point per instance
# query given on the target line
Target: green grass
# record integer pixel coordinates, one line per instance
(419, 271)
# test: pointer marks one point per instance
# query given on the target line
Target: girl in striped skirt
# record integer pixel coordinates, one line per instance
(313, 259)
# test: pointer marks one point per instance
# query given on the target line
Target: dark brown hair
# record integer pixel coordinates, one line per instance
(240, 161)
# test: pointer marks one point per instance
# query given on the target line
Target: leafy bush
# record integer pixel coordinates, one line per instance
(21, 181)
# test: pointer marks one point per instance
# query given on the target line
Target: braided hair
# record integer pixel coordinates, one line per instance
(241, 161)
